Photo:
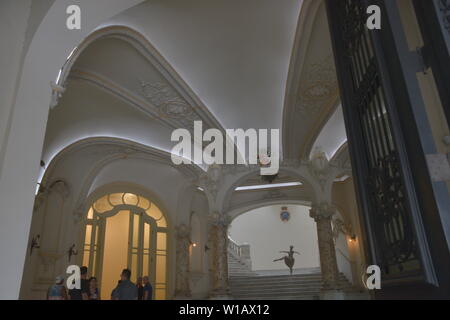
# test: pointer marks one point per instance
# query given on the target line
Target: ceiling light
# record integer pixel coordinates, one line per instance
(269, 186)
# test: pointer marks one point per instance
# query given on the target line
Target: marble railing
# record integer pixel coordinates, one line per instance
(240, 251)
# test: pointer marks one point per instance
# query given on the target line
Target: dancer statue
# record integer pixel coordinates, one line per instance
(289, 259)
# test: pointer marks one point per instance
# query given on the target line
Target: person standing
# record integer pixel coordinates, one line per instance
(140, 288)
(148, 289)
(114, 291)
(94, 293)
(57, 291)
(126, 290)
(83, 292)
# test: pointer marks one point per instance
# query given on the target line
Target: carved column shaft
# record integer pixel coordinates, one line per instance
(182, 286)
(322, 215)
(218, 239)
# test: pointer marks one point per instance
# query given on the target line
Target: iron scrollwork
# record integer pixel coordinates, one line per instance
(389, 207)
(444, 6)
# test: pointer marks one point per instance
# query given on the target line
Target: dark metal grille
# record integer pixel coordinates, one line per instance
(444, 6)
(388, 204)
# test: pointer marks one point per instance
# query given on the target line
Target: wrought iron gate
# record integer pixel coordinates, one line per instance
(395, 236)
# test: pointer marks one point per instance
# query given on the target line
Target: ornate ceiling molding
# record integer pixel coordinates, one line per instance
(170, 99)
(318, 86)
(312, 87)
(165, 113)
(114, 148)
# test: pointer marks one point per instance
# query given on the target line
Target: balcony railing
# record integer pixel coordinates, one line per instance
(240, 251)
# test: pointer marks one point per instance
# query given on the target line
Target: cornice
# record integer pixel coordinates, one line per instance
(120, 148)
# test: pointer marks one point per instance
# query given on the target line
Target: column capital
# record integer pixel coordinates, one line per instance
(219, 219)
(321, 211)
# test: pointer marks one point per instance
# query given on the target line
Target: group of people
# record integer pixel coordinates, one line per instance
(125, 289)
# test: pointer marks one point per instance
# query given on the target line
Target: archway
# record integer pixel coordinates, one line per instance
(125, 230)
(267, 230)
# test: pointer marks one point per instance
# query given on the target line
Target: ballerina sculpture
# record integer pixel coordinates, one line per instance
(289, 258)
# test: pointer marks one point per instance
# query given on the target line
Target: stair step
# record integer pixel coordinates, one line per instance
(272, 296)
(246, 284)
(255, 279)
(279, 298)
(279, 292)
(279, 287)
(268, 287)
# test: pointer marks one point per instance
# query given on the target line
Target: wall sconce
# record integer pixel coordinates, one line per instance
(193, 244)
(352, 238)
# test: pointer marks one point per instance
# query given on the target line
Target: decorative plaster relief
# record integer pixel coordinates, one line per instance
(169, 103)
(318, 87)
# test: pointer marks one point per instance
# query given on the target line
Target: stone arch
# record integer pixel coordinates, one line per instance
(122, 186)
(238, 180)
(236, 212)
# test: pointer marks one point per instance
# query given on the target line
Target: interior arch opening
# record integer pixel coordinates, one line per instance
(125, 230)
(266, 231)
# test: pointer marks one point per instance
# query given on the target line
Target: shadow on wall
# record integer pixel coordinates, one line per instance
(267, 235)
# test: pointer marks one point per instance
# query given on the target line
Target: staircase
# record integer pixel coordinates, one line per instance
(245, 284)
(305, 286)
(236, 268)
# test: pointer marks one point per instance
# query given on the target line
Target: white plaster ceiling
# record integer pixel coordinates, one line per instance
(312, 92)
(233, 54)
(87, 111)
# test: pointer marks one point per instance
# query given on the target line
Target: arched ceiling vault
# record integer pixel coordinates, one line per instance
(156, 67)
(224, 62)
(312, 89)
(117, 84)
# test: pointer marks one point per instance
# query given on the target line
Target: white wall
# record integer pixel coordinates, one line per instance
(23, 133)
(267, 235)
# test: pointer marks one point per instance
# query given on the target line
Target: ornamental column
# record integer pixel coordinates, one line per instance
(182, 285)
(322, 214)
(218, 241)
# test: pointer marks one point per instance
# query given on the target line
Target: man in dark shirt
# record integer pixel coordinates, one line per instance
(83, 292)
(126, 290)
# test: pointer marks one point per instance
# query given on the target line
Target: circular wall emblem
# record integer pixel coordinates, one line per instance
(284, 214)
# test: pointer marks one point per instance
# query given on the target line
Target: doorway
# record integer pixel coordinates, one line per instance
(125, 230)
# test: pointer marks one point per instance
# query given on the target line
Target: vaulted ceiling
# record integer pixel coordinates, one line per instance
(232, 64)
